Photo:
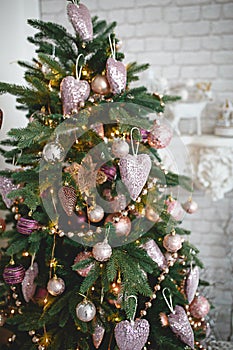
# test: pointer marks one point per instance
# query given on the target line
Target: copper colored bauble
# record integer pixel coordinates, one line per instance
(2, 225)
(199, 307)
(80, 257)
(120, 148)
(151, 214)
(56, 286)
(122, 224)
(85, 311)
(175, 209)
(172, 243)
(100, 85)
(95, 214)
(159, 136)
(13, 274)
(102, 251)
(190, 206)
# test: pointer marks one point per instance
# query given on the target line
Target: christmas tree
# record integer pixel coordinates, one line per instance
(96, 257)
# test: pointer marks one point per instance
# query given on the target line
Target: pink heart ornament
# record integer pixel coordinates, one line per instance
(132, 335)
(73, 92)
(28, 285)
(116, 75)
(180, 326)
(192, 282)
(80, 18)
(134, 172)
(155, 253)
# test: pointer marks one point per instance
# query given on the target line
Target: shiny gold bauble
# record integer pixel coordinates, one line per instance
(100, 85)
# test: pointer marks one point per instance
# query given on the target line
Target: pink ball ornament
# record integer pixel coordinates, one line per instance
(13, 274)
(56, 286)
(80, 257)
(152, 215)
(122, 224)
(175, 209)
(199, 307)
(190, 206)
(172, 243)
(26, 226)
(102, 251)
(95, 214)
(159, 136)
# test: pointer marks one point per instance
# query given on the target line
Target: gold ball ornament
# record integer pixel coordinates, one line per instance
(172, 243)
(100, 85)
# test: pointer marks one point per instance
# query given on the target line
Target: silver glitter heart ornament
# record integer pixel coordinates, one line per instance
(28, 285)
(192, 282)
(73, 92)
(132, 335)
(134, 171)
(6, 187)
(80, 18)
(116, 75)
(180, 326)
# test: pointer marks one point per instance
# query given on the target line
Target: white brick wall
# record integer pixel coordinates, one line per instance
(182, 39)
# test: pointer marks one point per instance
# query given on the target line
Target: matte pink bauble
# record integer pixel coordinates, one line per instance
(199, 307)
(172, 243)
(80, 257)
(190, 206)
(122, 224)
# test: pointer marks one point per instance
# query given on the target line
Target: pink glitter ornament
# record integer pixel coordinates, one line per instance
(73, 91)
(13, 274)
(98, 334)
(116, 75)
(26, 226)
(192, 282)
(134, 171)
(175, 209)
(80, 257)
(155, 253)
(80, 18)
(180, 326)
(28, 285)
(6, 187)
(132, 334)
(159, 136)
(199, 307)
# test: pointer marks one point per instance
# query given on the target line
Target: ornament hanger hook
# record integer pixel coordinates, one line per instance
(136, 305)
(169, 303)
(78, 74)
(112, 46)
(132, 145)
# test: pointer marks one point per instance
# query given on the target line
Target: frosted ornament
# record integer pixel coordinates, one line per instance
(53, 152)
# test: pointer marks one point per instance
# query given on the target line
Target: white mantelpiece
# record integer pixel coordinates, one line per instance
(212, 159)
